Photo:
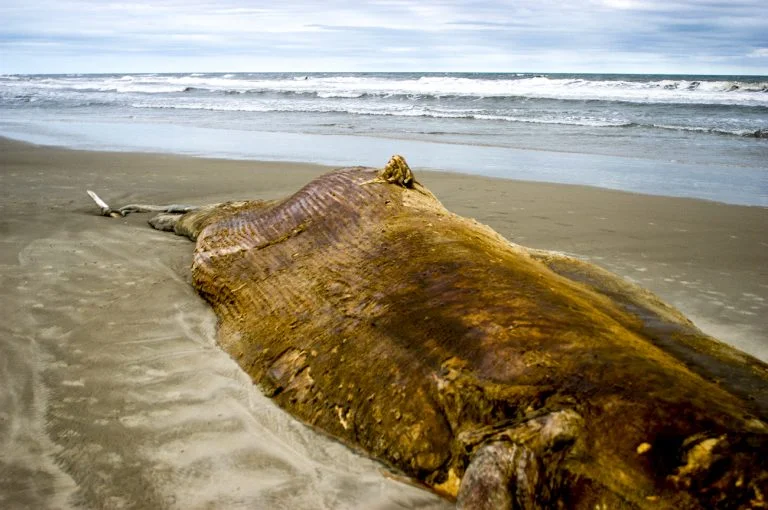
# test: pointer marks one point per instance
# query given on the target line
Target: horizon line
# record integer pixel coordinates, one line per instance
(92, 73)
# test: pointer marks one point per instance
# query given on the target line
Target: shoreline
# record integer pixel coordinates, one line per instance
(717, 182)
(116, 394)
(329, 167)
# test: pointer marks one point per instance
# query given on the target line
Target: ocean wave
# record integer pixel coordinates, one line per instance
(405, 110)
(688, 91)
(388, 111)
(748, 133)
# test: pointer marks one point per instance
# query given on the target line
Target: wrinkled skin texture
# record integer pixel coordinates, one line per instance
(428, 341)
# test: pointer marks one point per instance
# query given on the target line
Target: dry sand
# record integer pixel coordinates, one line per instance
(114, 395)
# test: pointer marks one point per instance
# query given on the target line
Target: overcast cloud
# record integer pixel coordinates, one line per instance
(644, 36)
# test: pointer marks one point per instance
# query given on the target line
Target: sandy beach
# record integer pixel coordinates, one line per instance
(113, 393)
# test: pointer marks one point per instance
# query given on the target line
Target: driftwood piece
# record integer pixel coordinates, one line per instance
(106, 210)
(500, 376)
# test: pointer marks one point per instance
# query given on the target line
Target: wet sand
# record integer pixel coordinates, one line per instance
(113, 393)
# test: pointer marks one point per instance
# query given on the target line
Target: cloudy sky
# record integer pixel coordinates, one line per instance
(642, 36)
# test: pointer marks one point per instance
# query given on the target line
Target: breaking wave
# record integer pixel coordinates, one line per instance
(551, 118)
(481, 103)
(583, 88)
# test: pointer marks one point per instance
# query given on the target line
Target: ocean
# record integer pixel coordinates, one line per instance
(693, 136)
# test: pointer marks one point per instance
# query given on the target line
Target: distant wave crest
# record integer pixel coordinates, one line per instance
(558, 118)
(344, 87)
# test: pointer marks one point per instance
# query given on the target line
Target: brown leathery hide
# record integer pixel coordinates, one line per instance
(428, 341)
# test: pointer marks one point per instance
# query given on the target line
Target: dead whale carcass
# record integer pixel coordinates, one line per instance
(502, 376)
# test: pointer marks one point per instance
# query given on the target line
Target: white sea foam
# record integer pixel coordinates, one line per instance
(698, 129)
(381, 110)
(578, 101)
(538, 87)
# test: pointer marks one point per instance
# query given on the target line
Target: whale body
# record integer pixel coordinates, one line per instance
(496, 375)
